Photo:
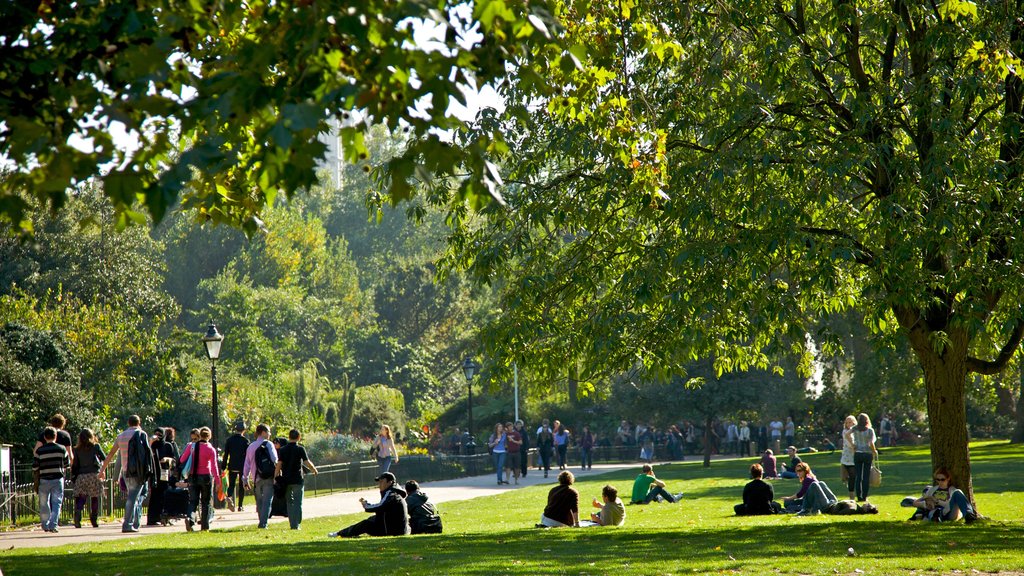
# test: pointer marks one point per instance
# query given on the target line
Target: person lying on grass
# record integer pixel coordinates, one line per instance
(941, 502)
(647, 488)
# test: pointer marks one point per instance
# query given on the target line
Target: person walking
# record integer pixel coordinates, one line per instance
(496, 444)
(587, 441)
(235, 448)
(846, 460)
(545, 442)
(50, 465)
(164, 454)
(524, 448)
(864, 455)
(258, 477)
(203, 474)
(387, 453)
(561, 439)
(291, 464)
(85, 476)
(58, 422)
(513, 451)
(136, 481)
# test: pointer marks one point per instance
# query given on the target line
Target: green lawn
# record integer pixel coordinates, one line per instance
(496, 536)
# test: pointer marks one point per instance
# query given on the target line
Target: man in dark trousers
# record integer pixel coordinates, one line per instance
(390, 515)
(234, 463)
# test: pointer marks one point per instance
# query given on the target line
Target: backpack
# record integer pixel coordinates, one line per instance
(140, 457)
(264, 465)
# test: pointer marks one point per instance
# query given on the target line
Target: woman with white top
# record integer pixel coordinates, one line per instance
(385, 447)
(846, 460)
(864, 453)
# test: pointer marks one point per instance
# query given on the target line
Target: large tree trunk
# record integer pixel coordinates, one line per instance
(945, 377)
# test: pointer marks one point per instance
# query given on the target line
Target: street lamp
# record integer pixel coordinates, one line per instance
(212, 339)
(469, 369)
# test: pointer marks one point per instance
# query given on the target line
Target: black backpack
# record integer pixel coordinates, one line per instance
(140, 457)
(264, 465)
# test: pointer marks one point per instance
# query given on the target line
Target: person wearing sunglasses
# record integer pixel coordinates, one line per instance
(941, 502)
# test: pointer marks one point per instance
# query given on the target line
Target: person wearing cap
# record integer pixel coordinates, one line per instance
(235, 448)
(789, 470)
(390, 514)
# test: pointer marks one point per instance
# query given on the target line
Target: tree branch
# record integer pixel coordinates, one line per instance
(994, 366)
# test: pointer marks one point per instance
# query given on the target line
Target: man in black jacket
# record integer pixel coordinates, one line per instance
(234, 462)
(423, 518)
(390, 515)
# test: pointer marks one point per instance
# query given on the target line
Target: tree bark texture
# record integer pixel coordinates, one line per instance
(945, 377)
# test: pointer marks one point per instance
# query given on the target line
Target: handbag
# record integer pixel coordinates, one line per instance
(876, 476)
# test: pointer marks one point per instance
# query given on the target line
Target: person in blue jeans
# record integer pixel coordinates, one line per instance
(291, 462)
(135, 488)
(261, 487)
(50, 464)
(647, 488)
(498, 447)
(941, 502)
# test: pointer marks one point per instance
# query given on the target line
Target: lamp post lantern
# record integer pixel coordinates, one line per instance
(469, 370)
(212, 339)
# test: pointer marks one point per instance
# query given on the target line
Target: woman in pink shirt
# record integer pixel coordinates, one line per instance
(202, 472)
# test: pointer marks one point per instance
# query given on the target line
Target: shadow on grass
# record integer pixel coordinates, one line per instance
(819, 545)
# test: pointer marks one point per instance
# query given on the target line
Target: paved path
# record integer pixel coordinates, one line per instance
(329, 505)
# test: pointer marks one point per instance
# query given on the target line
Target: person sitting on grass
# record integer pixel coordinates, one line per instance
(789, 471)
(768, 464)
(563, 507)
(423, 517)
(647, 488)
(941, 502)
(612, 513)
(758, 496)
(390, 515)
(813, 497)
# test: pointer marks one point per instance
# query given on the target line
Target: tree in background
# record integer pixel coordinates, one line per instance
(713, 182)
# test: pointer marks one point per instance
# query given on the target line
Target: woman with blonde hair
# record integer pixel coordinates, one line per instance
(384, 446)
(846, 459)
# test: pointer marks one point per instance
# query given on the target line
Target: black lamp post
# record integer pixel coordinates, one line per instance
(212, 339)
(469, 369)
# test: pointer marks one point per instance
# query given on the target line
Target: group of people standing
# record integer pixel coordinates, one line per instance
(153, 466)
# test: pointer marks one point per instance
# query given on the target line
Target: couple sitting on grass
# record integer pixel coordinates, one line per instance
(563, 501)
(563, 507)
(813, 497)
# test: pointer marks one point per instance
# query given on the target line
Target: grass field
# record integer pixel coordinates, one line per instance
(495, 535)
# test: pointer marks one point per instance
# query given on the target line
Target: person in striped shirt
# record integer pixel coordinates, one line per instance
(50, 465)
